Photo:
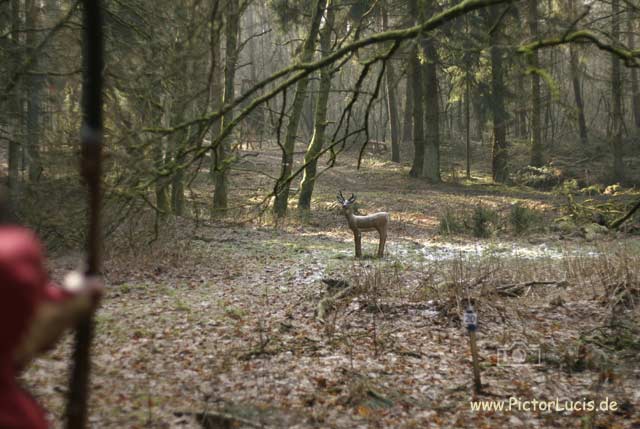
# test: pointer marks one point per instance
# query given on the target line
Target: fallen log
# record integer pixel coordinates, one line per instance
(516, 289)
(327, 304)
(616, 223)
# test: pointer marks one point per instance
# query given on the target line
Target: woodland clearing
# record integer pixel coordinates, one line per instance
(220, 318)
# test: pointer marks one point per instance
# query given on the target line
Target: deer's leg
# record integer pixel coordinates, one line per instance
(383, 240)
(358, 239)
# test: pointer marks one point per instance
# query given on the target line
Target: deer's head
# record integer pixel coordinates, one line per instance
(347, 205)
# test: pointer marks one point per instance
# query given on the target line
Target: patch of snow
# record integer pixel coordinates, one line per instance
(450, 251)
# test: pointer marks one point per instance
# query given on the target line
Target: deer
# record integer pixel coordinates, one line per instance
(359, 224)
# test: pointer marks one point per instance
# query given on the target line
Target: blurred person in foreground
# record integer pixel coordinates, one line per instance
(34, 314)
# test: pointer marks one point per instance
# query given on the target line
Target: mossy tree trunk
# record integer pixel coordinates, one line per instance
(574, 70)
(499, 155)
(536, 103)
(407, 125)
(34, 94)
(217, 87)
(13, 156)
(282, 186)
(577, 93)
(521, 107)
(320, 119)
(415, 77)
(431, 161)
(467, 121)
(159, 153)
(220, 198)
(631, 44)
(177, 177)
(392, 105)
(616, 97)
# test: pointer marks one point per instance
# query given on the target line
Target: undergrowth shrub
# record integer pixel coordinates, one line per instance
(481, 222)
(523, 219)
(451, 222)
(484, 221)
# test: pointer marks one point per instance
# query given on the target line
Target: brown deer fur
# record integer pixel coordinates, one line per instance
(359, 224)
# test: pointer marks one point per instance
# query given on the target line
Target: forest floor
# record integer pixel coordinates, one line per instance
(220, 318)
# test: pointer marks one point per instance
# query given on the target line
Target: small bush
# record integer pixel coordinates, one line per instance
(522, 218)
(484, 221)
(451, 223)
(542, 178)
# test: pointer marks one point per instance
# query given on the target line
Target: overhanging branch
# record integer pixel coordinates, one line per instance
(630, 57)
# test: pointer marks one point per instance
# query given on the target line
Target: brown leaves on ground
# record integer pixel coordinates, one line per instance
(219, 321)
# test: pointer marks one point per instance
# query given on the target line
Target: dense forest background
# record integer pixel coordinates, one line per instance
(198, 93)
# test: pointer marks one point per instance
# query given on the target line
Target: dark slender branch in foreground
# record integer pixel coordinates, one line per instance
(91, 145)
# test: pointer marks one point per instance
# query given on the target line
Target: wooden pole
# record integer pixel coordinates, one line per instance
(470, 320)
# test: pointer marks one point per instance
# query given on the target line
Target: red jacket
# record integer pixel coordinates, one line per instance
(23, 286)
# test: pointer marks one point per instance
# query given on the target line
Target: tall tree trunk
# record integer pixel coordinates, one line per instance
(391, 97)
(479, 108)
(320, 121)
(431, 163)
(13, 155)
(631, 42)
(534, 63)
(159, 151)
(177, 179)
(415, 76)
(162, 200)
(407, 123)
(282, 185)
(231, 59)
(34, 95)
(574, 70)
(184, 137)
(577, 93)
(467, 120)
(521, 113)
(499, 164)
(459, 114)
(616, 97)
(217, 87)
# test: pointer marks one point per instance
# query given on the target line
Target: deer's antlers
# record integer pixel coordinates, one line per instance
(341, 198)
